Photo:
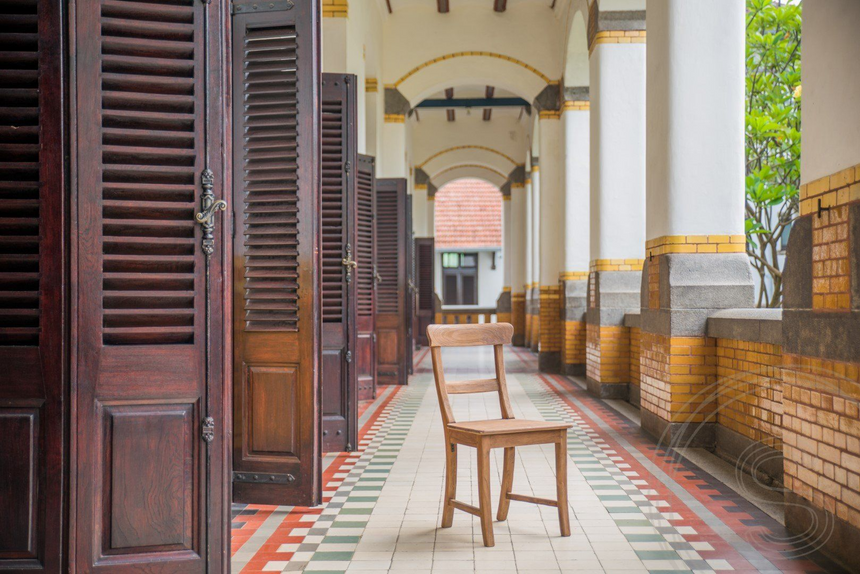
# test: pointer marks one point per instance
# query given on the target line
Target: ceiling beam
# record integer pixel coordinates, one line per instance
(474, 103)
(500, 5)
(443, 7)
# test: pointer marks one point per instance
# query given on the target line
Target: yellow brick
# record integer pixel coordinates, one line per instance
(707, 248)
(731, 248)
(842, 178)
(697, 239)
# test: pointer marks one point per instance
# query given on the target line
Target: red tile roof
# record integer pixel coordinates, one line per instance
(468, 215)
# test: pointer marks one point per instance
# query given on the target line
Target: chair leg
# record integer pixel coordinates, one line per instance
(484, 495)
(450, 484)
(507, 483)
(561, 484)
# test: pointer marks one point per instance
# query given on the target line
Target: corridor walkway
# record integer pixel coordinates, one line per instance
(634, 507)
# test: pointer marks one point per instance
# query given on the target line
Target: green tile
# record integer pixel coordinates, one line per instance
(332, 556)
(657, 555)
(341, 539)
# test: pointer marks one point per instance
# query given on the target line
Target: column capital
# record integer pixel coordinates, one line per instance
(614, 27)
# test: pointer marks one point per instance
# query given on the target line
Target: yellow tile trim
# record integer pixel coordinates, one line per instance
(573, 275)
(617, 37)
(506, 289)
(696, 244)
(517, 186)
(834, 190)
(528, 181)
(549, 291)
(576, 105)
(475, 53)
(535, 169)
(616, 265)
(395, 118)
(420, 186)
(550, 114)
(431, 197)
(470, 165)
(462, 147)
(506, 197)
(335, 8)
(371, 85)
(518, 296)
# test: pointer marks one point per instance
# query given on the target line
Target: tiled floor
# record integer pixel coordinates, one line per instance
(634, 507)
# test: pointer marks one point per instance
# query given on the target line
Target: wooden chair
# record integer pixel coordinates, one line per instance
(507, 432)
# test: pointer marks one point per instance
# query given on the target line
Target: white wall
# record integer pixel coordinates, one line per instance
(831, 87)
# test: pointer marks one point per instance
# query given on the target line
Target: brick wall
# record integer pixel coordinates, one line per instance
(518, 310)
(607, 354)
(749, 391)
(831, 280)
(635, 352)
(821, 434)
(550, 318)
(574, 342)
(678, 376)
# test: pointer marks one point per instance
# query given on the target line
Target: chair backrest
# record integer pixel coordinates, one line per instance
(487, 334)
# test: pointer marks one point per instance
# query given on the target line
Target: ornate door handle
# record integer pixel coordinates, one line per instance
(349, 263)
(376, 276)
(209, 206)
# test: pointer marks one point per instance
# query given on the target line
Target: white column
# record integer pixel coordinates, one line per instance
(576, 187)
(507, 252)
(393, 153)
(519, 238)
(536, 223)
(419, 210)
(551, 210)
(528, 224)
(617, 151)
(431, 215)
(695, 118)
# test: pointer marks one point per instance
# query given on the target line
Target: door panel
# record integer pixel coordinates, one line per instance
(425, 255)
(365, 355)
(276, 334)
(338, 229)
(33, 287)
(148, 323)
(411, 290)
(392, 287)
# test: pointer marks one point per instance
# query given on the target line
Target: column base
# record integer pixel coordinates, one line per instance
(549, 362)
(634, 395)
(824, 530)
(757, 459)
(573, 369)
(607, 390)
(669, 434)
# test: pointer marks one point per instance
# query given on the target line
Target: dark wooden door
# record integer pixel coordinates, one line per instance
(148, 296)
(392, 287)
(425, 256)
(411, 290)
(33, 287)
(365, 346)
(276, 337)
(338, 242)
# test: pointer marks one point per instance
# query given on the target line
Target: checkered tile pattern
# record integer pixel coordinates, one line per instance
(635, 507)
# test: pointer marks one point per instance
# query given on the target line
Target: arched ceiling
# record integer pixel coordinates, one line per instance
(468, 171)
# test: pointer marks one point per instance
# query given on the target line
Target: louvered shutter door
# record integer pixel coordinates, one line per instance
(338, 242)
(391, 289)
(32, 286)
(275, 281)
(425, 253)
(409, 343)
(366, 279)
(149, 101)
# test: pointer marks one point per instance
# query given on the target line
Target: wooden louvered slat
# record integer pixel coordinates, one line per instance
(149, 172)
(269, 179)
(388, 230)
(333, 221)
(20, 180)
(364, 243)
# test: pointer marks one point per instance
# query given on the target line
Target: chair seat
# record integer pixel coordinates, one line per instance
(506, 426)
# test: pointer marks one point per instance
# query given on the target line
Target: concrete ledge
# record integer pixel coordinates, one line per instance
(756, 325)
(824, 335)
(607, 390)
(549, 362)
(823, 530)
(632, 319)
(754, 458)
(676, 435)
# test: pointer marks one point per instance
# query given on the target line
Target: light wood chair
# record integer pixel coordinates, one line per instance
(507, 432)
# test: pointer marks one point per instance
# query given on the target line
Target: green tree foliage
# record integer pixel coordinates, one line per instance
(772, 137)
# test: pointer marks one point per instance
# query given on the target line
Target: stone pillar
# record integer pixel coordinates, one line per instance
(393, 156)
(695, 251)
(536, 262)
(419, 202)
(551, 240)
(431, 210)
(503, 303)
(574, 273)
(529, 254)
(617, 184)
(518, 256)
(821, 316)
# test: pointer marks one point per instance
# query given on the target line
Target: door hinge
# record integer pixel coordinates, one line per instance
(347, 166)
(349, 356)
(208, 429)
